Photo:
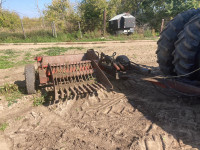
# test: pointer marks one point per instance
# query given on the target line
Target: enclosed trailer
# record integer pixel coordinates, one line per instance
(122, 24)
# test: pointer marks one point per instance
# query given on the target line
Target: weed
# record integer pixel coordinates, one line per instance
(6, 77)
(134, 56)
(8, 88)
(148, 33)
(100, 47)
(11, 93)
(19, 118)
(27, 54)
(9, 52)
(3, 126)
(10, 102)
(38, 123)
(38, 100)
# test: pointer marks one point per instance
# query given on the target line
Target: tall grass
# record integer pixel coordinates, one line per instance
(41, 36)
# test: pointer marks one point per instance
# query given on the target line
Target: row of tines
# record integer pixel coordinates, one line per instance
(74, 80)
(76, 91)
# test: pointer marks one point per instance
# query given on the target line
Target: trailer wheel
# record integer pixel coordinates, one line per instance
(30, 78)
(167, 39)
(187, 50)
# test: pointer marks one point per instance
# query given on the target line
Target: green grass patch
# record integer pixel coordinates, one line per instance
(3, 126)
(40, 36)
(27, 59)
(54, 51)
(9, 52)
(7, 59)
(11, 93)
(23, 62)
(5, 62)
(10, 59)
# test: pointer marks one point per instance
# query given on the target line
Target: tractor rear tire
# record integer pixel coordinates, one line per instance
(30, 78)
(167, 39)
(187, 50)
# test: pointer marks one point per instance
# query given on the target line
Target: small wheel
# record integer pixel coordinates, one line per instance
(30, 78)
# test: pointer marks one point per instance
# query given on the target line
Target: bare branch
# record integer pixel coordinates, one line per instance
(1, 3)
(39, 11)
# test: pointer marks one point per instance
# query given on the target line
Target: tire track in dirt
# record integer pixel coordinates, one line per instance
(142, 136)
(108, 121)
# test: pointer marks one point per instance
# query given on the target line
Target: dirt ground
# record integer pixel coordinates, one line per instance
(134, 116)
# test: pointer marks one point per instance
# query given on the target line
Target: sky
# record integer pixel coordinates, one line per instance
(27, 8)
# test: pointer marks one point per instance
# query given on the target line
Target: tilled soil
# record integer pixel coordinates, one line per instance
(134, 116)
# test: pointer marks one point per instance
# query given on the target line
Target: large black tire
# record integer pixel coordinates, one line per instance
(187, 49)
(167, 39)
(30, 78)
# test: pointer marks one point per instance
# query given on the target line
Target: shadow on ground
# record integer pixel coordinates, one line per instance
(177, 115)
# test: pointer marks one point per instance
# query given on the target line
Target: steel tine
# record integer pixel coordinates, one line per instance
(94, 87)
(73, 92)
(67, 92)
(62, 93)
(88, 88)
(77, 88)
(83, 89)
(56, 94)
(100, 85)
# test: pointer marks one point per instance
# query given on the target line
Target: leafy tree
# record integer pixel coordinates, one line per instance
(91, 12)
(58, 10)
(9, 20)
(62, 13)
(113, 8)
(153, 11)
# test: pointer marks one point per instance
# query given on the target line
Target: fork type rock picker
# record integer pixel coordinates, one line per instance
(69, 76)
(74, 76)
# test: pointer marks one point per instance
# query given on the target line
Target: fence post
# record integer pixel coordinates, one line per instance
(79, 26)
(23, 28)
(162, 25)
(54, 27)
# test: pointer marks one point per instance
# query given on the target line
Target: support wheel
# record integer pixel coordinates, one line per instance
(30, 78)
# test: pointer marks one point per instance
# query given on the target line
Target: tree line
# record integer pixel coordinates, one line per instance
(89, 13)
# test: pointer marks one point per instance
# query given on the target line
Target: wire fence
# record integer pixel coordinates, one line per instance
(33, 28)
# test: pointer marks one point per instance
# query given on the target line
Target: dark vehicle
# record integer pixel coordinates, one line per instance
(122, 24)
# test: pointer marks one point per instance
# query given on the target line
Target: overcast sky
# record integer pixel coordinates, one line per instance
(27, 7)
